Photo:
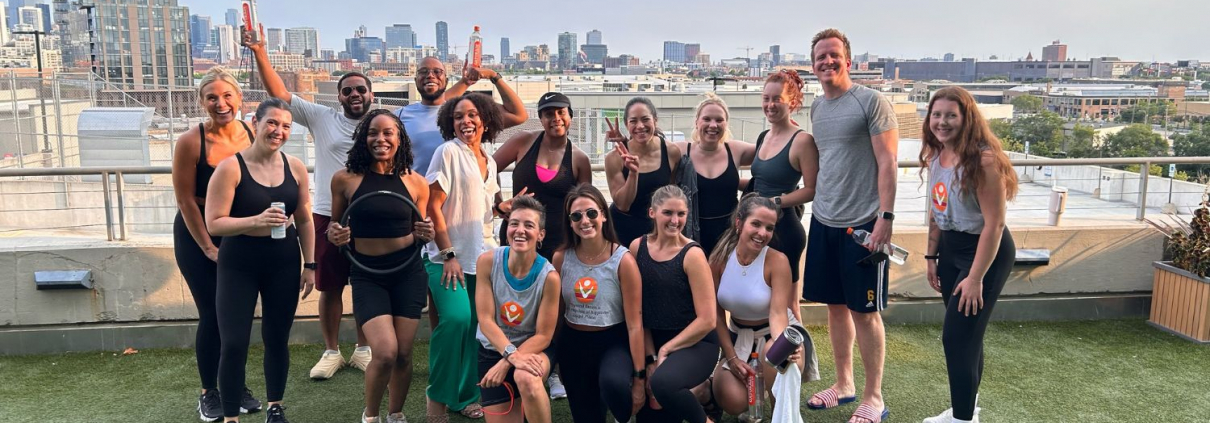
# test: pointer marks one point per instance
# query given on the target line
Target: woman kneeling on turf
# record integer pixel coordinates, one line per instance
(518, 305)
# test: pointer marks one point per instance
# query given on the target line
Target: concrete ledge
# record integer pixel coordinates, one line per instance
(54, 339)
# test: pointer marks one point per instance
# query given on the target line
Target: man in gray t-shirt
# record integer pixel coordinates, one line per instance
(857, 138)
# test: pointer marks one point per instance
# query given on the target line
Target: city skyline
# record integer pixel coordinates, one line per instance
(978, 31)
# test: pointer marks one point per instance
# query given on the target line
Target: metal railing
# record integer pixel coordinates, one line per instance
(115, 201)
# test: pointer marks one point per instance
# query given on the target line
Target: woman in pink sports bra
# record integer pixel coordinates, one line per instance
(547, 167)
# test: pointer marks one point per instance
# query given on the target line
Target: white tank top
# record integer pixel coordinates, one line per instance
(743, 291)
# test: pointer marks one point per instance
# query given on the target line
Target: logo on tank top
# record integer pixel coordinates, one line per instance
(585, 290)
(512, 313)
(941, 197)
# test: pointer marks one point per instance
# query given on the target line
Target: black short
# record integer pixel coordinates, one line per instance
(403, 293)
(499, 395)
(834, 275)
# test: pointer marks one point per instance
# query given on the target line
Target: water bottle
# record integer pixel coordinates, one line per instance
(756, 392)
(474, 55)
(895, 253)
(278, 232)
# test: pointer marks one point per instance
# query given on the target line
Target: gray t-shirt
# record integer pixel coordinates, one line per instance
(516, 310)
(592, 295)
(846, 191)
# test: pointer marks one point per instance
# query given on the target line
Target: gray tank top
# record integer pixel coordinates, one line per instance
(952, 211)
(516, 310)
(776, 176)
(592, 295)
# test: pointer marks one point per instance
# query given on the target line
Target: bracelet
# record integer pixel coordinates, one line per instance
(650, 359)
(932, 257)
(734, 357)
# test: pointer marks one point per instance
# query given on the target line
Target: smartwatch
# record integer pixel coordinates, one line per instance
(509, 350)
(311, 265)
(777, 201)
(639, 374)
(886, 215)
(447, 254)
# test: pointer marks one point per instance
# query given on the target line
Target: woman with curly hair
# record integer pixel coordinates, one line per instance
(970, 251)
(462, 185)
(380, 236)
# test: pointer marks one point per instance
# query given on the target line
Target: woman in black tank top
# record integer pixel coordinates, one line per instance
(548, 166)
(195, 249)
(257, 262)
(630, 186)
(709, 173)
(387, 307)
(679, 310)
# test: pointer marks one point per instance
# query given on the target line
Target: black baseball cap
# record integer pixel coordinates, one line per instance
(553, 99)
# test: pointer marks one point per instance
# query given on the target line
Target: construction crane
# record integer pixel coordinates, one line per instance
(747, 57)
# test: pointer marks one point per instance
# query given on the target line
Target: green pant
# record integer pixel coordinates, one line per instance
(453, 349)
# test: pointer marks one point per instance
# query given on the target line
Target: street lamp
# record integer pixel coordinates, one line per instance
(41, 99)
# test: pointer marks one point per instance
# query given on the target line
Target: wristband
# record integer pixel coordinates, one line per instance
(639, 374)
(932, 257)
(651, 359)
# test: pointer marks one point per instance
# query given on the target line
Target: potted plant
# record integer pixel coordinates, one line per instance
(1180, 293)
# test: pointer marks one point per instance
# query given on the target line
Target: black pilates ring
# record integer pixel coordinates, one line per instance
(348, 252)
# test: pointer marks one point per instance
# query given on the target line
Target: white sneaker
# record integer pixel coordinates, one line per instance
(328, 364)
(556, 387)
(947, 416)
(360, 358)
(396, 418)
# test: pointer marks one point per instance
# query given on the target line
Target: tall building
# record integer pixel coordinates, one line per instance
(224, 40)
(3, 27)
(31, 16)
(443, 40)
(400, 35)
(504, 50)
(137, 43)
(691, 51)
(275, 39)
(949, 57)
(674, 51)
(303, 40)
(1055, 52)
(594, 37)
(14, 14)
(567, 50)
(775, 50)
(199, 33)
(233, 18)
(595, 53)
(46, 26)
(361, 47)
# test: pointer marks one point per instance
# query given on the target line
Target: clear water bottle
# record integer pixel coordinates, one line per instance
(278, 232)
(756, 392)
(474, 54)
(895, 253)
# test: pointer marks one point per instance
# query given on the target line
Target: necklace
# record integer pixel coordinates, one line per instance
(592, 267)
(743, 270)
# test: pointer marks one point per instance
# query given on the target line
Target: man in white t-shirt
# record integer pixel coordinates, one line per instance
(333, 131)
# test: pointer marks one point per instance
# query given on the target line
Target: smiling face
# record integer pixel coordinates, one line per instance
(555, 120)
(431, 79)
(775, 102)
(711, 123)
(830, 61)
(355, 97)
(945, 120)
(669, 216)
(524, 230)
(273, 129)
(468, 126)
(382, 139)
(756, 231)
(640, 122)
(221, 101)
(587, 227)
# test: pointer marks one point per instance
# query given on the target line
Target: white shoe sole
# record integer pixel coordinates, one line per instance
(202, 417)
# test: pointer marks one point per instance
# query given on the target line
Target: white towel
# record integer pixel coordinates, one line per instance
(787, 388)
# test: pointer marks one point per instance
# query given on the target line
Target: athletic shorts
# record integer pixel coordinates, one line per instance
(500, 394)
(833, 272)
(402, 293)
(332, 273)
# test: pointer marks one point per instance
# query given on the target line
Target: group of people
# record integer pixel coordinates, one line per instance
(649, 306)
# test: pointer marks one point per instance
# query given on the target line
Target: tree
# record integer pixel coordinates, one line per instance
(1148, 113)
(1043, 132)
(1193, 144)
(1004, 131)
(1027, 104)
(1136, 141)
(1206, 85)
(1082, 142)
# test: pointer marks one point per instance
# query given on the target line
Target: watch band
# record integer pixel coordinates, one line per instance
(639, 374)
(311, 266)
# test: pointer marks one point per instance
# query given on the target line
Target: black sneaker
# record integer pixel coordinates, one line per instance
(249, 404)
(276, 414)
(210, 406)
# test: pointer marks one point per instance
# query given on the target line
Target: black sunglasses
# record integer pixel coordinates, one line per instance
(346, 91)
(591, 213)
(428, 71)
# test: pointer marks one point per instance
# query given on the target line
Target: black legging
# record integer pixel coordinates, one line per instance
(681, 371)
(962, 336)
(201, 276)
(791, 239)
(595, 368)
(248, 266)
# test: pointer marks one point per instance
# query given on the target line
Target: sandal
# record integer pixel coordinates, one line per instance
(473, 411)
(867, 412)
(829, 398)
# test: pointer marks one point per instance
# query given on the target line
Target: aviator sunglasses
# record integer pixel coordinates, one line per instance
(591, 213)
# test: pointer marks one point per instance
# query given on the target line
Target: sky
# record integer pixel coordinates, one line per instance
(1145, 30)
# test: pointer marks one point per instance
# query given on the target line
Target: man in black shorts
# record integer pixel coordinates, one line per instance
(855, 132)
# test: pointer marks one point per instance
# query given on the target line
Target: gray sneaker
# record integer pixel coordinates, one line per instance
(210, 406)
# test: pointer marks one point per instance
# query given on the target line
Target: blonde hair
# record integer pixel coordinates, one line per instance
(712, 99)
(215, 74)
(662, 195)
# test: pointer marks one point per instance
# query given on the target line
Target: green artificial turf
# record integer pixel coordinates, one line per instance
(1115, 370)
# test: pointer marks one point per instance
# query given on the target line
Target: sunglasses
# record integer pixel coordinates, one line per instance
(346, 91)
(427, 71)
(591, 213)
